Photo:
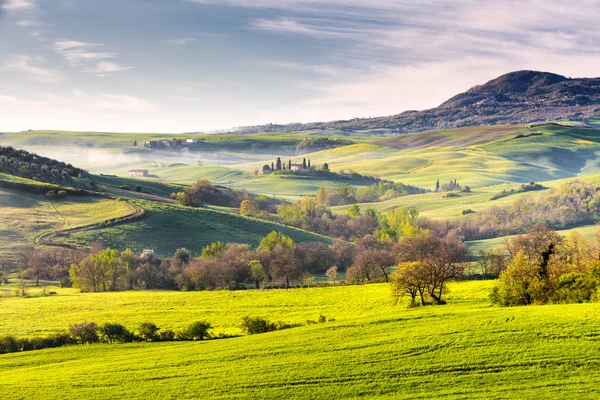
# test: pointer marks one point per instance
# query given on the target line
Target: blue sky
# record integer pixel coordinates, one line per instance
(189, 65)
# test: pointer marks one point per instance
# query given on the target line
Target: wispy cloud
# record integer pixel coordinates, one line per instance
(86, 55)
(32, 68)
(18, 4)
(181, 41)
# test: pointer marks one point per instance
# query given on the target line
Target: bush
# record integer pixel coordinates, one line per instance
(252, 326)
(8, 344)
(85, 333)
(148, 331)
(115, 333)
(198, 330)
(167, 335)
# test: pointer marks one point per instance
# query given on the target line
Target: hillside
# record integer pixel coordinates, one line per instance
(373, 349)
(519, 97)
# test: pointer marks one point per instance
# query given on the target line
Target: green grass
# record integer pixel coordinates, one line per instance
(466, 349)
(25, 216)
(169, 227)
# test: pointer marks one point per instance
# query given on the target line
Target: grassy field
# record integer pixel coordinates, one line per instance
(466, 349)
(168, 227)
(24, 216)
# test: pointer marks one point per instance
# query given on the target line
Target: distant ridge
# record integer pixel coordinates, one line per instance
(519, 97)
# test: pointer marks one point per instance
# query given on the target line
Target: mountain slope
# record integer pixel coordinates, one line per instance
(519, 97)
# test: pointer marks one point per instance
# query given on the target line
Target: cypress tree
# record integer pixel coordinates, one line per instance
(278, 164)
(304, 163)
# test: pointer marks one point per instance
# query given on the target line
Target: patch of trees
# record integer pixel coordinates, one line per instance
(427, 264)
(47, 263)
(310, 145)
(43, 169)
(530, 187)
(449, 187)
(384, 190)
(547, 268)
(572, 204)
(203, 192)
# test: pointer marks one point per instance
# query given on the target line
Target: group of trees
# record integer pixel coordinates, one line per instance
(203, 192)
(311, 145)
(427, 264)
(345, 194)
(32, 166)
(546, 268)
(566, 206)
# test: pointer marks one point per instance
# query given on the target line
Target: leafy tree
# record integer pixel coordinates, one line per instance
(148, 331)
(275, 238)
(85, 333)
(213, 250)
(249, 208)
(198, 330)
(258, 273)
(101, 271)
(322, 195)
(253, 326)
(331, 274)
(410, 278)
(354, 211)
(115, 333)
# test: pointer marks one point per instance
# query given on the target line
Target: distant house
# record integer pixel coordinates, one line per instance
(296, 167)
(151, 143)
(265, 172)
(166, 143)
(191, 141)
(139, 173)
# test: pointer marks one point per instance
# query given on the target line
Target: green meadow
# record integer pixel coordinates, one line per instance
(375, 349)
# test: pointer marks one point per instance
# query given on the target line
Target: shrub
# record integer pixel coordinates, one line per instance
(148, 331)
(252, 326)
(8, 344)
(115, 333)
(85, 333)
(167, 335)
(198, 330)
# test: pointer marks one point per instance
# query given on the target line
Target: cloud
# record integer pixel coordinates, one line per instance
(18, 5)
(181, 41)
(30, 66)
(85, 55)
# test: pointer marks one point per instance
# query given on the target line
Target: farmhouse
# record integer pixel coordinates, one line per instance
(191, 141)
(139, 173)
(296, 167)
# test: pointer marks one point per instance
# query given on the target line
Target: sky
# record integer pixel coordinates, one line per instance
(203, 65)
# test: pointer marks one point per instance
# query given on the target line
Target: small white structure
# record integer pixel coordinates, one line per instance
(191, 141)
(297, 167)
(138, 172)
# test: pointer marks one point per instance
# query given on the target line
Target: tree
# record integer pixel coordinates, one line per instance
(437, 185)
(257, 272)
(289, 165)
(272, 167)
(135, 143)
(325, 167)
(266, 167)
(371, 264)
(198, 330)
(115, 333)
(514, 287)
(442, 260)
(148, 331)
(278, 164)
(309, 163)
(304, 163)
(249, 208)
(85, 333)
(322, 195)
(354, 211)
(213, 250)
(101, 271)
(410, 279)
(30, 259)
(331, 274)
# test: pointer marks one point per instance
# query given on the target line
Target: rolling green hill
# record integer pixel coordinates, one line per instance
(465, 349)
